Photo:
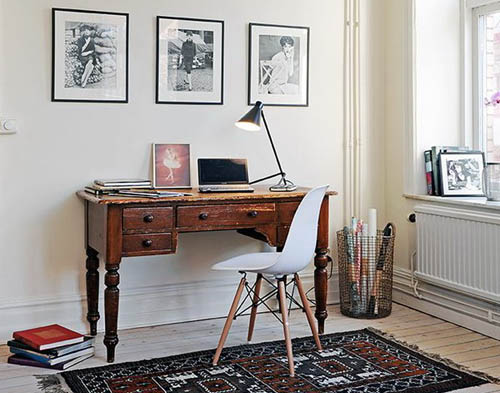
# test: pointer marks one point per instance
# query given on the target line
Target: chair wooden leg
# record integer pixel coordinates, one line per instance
(309, 314)
(253, 313)
(229, 321)
(286, 331)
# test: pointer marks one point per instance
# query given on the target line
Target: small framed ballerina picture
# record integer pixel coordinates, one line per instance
(171, 166)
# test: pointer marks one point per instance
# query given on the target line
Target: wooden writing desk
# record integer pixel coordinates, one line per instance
(119, 227)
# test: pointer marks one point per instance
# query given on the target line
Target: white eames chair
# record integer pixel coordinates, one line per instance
(297, 253)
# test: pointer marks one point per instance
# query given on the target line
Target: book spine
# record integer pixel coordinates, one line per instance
(428, 172)
(15, 359)
(26, 341)
(30, 354)
(435, 169)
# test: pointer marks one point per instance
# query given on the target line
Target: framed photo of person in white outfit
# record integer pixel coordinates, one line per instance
(171, 165)
(278, 66)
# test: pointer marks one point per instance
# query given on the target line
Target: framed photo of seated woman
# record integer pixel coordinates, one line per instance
(89, 56)
(278, 68)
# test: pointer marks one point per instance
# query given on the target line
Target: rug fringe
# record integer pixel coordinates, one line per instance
(51, 383)
(435, 356)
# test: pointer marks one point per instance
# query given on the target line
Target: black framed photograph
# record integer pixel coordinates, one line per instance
(462, 173)
(189, 61)
(278, 68)
(89, 56)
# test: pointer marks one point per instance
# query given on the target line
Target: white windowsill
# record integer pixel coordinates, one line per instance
(479, 203)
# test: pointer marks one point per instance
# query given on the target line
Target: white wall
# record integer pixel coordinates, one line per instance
(63, 146)
(437, 102)
(372, 85)
(438, 76)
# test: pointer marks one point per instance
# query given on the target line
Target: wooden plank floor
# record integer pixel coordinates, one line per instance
(430, 334)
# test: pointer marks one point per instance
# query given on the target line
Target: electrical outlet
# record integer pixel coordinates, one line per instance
(8, 126)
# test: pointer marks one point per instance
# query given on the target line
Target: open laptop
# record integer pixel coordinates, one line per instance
(223, 175)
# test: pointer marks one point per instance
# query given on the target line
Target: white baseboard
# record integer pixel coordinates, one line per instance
(447, 305)
(139, 307)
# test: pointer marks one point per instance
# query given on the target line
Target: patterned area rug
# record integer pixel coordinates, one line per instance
(351, 362)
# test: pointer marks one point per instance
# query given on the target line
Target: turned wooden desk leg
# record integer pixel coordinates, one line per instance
(321, 286)
(92, 277)
(111, 296)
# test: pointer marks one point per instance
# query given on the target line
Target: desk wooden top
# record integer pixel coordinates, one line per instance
(261, 192)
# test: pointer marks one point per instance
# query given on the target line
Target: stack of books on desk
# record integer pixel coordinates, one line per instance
(112, 186)
(137, 188)
(53, 346)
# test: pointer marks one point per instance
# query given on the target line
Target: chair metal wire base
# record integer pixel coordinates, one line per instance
(250, 289)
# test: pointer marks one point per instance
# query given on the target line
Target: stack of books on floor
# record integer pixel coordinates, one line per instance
(52, 346)
(138, 188)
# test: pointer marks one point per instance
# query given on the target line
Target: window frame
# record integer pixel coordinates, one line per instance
(479, 135)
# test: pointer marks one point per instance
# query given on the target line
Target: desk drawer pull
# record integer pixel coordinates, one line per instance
(147, 242)
(149, 218)
(253, 213)
(203, 216)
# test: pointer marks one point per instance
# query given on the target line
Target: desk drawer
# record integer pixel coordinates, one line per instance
(225, 215)
(145, 244)
(286, 211)
(145, 220)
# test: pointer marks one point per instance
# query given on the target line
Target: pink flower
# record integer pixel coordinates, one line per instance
(494, 100)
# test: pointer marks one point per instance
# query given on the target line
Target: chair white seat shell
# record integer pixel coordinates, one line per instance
(256, 262)
(297, 253)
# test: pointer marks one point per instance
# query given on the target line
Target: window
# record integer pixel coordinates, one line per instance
(486, 39)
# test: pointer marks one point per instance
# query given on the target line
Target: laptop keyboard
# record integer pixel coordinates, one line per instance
(223, 188)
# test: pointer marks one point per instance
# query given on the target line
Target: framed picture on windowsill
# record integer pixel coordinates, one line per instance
(189, 61)
(89, 56)
(462, 173)
(171, 166)
(278, 68)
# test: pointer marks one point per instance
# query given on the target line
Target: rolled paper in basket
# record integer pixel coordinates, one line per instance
(364, 268)
(372, 222)
(381, 262)
(351, 271)
(348, 244)
(356, 287)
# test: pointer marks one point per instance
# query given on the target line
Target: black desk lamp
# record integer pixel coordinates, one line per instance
(251, 122)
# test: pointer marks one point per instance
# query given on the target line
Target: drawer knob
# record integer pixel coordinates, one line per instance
(203, 216)
(253, 213)
(147, 243)
(149, 218)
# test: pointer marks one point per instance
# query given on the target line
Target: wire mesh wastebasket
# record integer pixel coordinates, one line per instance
(365, 273)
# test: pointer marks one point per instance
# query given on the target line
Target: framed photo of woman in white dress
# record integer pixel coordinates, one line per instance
(278, 68)
(171, 166)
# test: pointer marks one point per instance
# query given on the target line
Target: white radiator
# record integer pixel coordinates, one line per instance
(460, 250)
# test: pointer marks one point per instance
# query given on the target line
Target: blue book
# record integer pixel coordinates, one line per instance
(50, 360)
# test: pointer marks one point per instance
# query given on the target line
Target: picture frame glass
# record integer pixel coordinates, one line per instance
(462, 174)
(90, 56)
(278, 65)
(171, 166)
(190, 56)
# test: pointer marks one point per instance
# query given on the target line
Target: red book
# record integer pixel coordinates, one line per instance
(47, 337)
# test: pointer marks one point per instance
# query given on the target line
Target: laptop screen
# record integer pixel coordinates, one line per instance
(222, 171)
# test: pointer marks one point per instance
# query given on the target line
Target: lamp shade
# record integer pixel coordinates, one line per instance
(251, 121)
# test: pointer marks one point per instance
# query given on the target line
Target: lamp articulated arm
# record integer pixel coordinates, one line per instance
(251, 122)
(280, 173)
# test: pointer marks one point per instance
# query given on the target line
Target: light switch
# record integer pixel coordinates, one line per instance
(8, 126)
